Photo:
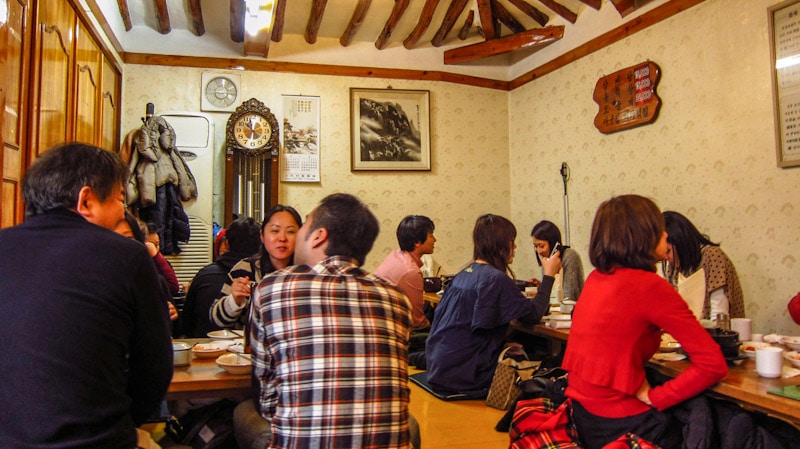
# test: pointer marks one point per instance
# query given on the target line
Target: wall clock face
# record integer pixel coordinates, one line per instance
(252, 129)
(220, 91)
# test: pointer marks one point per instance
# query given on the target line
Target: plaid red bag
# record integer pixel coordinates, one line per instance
(539, 424)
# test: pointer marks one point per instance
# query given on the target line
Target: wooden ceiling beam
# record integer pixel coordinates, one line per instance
(506, 18)
(464, 32)
(237, 20)
(453, 11)
(624, 7)
(424, 22)
(561, 10)
(531, 39)
(277, 23)
(593, 3)
(196, 12)
(355, 22)
(531, 11)
(162, 16)
(398, 10)
(315, 20)
(489, 24)
(125, 13)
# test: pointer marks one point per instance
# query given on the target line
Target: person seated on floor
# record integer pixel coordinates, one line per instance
(153, 243)
(87, 317)
(278, 235)
(242, 237)
(471, 321)
(133, 228)
(402, 266)
(617, 326)
(329, 344)
(546, 236)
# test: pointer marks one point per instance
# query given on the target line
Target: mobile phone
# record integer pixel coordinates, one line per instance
(560, 248)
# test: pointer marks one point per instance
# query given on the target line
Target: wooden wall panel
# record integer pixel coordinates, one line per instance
(53, 62)
(15, 34)
(109, 106)
(88, 59)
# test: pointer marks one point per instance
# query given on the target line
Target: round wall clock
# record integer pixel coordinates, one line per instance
(220, 91)
(252, 129)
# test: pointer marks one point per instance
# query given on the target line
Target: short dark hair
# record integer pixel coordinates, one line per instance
(352, 227)
(686, 241)
(625, 234)
(138, 228)
(243, 236)
(493, 240)
(546, 230)
(57, 176)
(413, 229)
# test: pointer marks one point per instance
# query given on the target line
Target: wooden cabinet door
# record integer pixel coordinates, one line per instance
(87, 87)
(15, 35)
(109, 107)
(53, 59)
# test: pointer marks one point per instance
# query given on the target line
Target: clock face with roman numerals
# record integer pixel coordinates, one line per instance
(252, 129)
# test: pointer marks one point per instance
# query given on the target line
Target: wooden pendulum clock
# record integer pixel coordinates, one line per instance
(251, 162)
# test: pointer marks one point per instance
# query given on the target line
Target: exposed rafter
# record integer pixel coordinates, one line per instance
(424, 22)
(561, 10)
(529, 10)
(277, 23)
(125, 13)
(196, 12)
(237, 20)
(450, 17)
(398, 10)
(536, 38)
(315, 20)
(355, 22)
(162, 16)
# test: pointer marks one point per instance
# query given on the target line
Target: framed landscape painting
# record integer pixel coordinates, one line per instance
(390, 129)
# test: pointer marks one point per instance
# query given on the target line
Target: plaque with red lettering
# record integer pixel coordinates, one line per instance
(627, 98)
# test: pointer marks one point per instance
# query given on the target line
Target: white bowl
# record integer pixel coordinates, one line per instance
(794, 357)
(224, 334)
(792, 342)
(235, 363)
(208, 350)
(669, 346)
(749, 347)
(181, 355)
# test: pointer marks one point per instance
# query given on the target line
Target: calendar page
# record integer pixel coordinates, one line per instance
(300, 139)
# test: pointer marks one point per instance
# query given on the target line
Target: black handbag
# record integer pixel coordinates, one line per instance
(207, 427)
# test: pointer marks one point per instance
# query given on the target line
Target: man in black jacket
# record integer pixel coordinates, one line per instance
(88, 354)
(243, 237)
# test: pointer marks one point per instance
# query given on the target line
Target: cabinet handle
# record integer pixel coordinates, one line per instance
(110, 99)
(86, 68)
(54, 29)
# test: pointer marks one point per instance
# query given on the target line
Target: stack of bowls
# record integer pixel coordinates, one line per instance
(728, 341)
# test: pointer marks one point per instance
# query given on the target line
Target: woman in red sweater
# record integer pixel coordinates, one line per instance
(616, 328)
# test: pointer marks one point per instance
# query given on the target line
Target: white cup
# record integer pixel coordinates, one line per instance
(756, 337)
(742, 326)
(769, 361)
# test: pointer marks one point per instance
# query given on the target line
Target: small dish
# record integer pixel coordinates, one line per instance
(224, 334)
(208, 350)
(749, 348)
(235, 363)
(793, 357)
(669, 346)
(792, 342)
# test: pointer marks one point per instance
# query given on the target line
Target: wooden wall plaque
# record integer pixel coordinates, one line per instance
(627, 98)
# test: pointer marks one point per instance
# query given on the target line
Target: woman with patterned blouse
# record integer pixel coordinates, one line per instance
(689, 250)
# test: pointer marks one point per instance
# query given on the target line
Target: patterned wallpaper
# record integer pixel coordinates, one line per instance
(710, 154)
(469, 150)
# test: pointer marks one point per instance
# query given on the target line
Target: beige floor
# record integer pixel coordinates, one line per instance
(457, 424)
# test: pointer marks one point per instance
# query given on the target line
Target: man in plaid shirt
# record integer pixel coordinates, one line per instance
(329, 344)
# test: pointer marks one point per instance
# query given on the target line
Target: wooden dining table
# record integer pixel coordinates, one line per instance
(742, 385)
(202, 378)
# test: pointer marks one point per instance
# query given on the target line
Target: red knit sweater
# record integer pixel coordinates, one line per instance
(616, 328)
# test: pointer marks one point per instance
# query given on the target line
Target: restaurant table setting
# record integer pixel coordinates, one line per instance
(208, 367)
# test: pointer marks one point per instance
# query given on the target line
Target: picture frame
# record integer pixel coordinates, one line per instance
(390, 129)
(784, 30)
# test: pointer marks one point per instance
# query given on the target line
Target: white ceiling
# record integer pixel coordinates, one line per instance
(216, 42)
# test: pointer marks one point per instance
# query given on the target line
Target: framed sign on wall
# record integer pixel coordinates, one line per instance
(784, 30)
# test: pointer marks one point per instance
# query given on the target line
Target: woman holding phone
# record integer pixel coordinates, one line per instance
(546, 239)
